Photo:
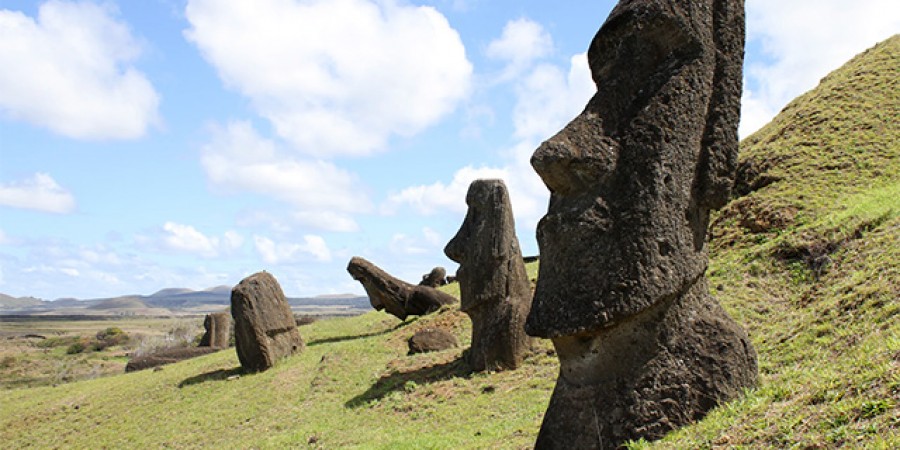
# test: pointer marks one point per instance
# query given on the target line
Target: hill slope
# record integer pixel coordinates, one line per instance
(807, 258)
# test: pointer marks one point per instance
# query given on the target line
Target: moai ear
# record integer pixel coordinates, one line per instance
(719, 153)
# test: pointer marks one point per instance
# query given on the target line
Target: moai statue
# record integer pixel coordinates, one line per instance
(436, 278)
(494, 288)
(264, 326)
(396, 296)
(643, 347)
(218, 330)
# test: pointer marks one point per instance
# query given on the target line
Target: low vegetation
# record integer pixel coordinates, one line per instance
(806, 257)
(42, 351)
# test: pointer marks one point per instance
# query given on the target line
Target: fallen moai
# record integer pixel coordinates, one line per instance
(643, 347)
(218, 330)
(494, 287)
(167, 356)
(396, 296)
(264, 326)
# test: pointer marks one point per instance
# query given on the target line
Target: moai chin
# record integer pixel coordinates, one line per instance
(494, 287)
(621, 291)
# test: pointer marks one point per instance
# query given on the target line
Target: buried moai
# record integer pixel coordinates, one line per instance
(218, 330)
(643, 347)
(396, 296)
(494, 287)
(264, 326)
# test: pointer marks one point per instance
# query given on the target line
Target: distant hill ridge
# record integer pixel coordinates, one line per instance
(164, 301)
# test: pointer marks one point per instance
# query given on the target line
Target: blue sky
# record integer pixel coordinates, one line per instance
(171, 143)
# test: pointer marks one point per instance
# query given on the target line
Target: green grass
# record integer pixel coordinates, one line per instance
(353, 386)
(808, 263)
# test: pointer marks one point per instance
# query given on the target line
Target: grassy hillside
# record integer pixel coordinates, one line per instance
(806, 257)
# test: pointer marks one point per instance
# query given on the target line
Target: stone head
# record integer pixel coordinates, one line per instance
(632, 179)
(485, 246)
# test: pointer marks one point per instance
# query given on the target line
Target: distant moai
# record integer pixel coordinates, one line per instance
(264, 327)
(396, 296)
(436, 278)
(218, 330)
(494, 287)
(643, 346)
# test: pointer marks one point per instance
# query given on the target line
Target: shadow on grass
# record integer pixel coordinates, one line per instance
(215, 375)
(397, 381)
(332, 340)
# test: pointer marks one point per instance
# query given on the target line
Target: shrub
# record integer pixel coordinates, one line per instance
(7, 362)
(77, 347)
(109, 337)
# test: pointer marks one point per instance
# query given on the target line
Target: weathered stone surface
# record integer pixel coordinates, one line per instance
(218, 330)
(395, 296)
(494, 287)
(436, 278)
(643, 347)
(264, 327)
(167, 356)
(431, 340)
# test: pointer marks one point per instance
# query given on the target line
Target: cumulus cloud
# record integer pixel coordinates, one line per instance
(523, 42)
(239, 160)
(438, 197)
(547, 97)
(185, 238)
(71, 70)
(335, 77)
(40, 192)
(802, 41)
(428, 242)
(273, 252)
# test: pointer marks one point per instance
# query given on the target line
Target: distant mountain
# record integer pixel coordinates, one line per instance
(131, 302)
(172, 301)
(170, 291)
(9, 302)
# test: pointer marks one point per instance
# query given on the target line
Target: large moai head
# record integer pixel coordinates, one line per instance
(632, 179)
(486, 248)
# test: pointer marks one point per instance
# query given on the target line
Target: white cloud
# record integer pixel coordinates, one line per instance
(278, 253)
(71, 71)
(325, 196)
(335, 77)
(40, 193)
(547, 98)
(428, 242)
(802, 41)
(523, 42)
(439, 197)
(185, 238)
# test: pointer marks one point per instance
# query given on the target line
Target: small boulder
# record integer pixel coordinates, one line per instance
(431, 340)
